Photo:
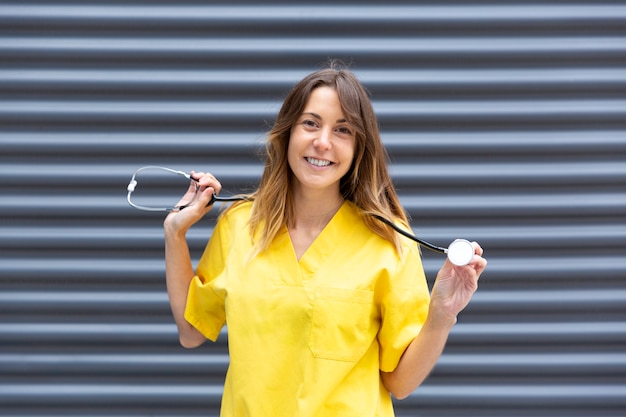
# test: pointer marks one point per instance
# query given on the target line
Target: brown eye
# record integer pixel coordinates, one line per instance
(344, 130)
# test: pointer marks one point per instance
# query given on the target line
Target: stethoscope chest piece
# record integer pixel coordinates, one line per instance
(460, 252)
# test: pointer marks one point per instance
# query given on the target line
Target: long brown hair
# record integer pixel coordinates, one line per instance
(367, 183)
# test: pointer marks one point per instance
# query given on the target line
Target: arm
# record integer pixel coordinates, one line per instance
(451, 293)
(178, 267)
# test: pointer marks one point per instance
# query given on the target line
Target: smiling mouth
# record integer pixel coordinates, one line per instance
(318, 162)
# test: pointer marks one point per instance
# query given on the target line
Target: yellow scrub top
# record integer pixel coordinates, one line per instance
(308, 338)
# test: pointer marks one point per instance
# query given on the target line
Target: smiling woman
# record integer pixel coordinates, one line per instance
(328, 309)
(320, 151)
(331, 109)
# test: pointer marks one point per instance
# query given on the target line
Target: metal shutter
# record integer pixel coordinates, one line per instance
(505, 121)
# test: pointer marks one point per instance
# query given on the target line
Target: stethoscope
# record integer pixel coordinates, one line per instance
(460, 252)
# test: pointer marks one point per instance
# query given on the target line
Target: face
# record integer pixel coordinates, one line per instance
(321, 145)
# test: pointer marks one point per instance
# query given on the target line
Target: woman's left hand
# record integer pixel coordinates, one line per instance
(455, 285)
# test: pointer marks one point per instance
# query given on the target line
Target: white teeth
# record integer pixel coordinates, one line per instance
(318, 162)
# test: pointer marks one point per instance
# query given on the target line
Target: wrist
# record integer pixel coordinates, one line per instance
(172, 230)
(440, 317)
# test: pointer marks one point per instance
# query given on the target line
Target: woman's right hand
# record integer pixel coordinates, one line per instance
(195, 200)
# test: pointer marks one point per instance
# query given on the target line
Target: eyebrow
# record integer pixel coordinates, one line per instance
(317, 116)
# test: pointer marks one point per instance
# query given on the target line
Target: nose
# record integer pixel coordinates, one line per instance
(323, 140)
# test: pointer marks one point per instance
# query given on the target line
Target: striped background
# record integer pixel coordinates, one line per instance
(505, 121)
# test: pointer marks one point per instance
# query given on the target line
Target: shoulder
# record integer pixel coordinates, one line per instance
(237, 215)
(237, 210)
(359, 224)
(357, 218)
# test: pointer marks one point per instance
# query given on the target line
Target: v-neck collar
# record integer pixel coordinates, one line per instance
(324, 245)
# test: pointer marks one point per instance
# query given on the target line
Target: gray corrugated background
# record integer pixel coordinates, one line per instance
(506, 123)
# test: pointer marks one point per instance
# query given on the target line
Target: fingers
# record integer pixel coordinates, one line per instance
(206, 180)
(478, 250)
(200, 193)
(478, 262)
(202, 187)
(194, 205)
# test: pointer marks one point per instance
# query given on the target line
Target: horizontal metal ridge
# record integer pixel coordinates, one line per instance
(511, 172)
(248, 108)
(567, 363)
(122, 363)
(504, 204)
(553, 299)
(68, 329)
(537, 142)
(130, 237)
(496, 205)
(90, 46)
(600, 394)
(115, 301)
(476, 394)
(304, 13)
(59, 393)
(282, 79)
(508, 268)
(104, 334)
(560, 172)
(536, 332)
(521, 332)
(125, 302)
(86, 269)
(450, 363)
(556, 268)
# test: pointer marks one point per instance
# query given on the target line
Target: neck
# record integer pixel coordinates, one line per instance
(314, 211)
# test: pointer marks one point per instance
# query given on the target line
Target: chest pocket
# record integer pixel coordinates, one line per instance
(343, 324)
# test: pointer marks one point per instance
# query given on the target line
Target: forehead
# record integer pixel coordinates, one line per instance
(324, 94)
(323, 99)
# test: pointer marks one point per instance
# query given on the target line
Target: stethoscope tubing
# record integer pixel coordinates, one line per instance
(414, 238)
(460, 252)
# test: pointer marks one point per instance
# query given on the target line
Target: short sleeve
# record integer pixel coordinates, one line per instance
(205, 305)
(404, 299)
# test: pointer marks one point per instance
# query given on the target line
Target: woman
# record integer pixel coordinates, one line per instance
(328, 309)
